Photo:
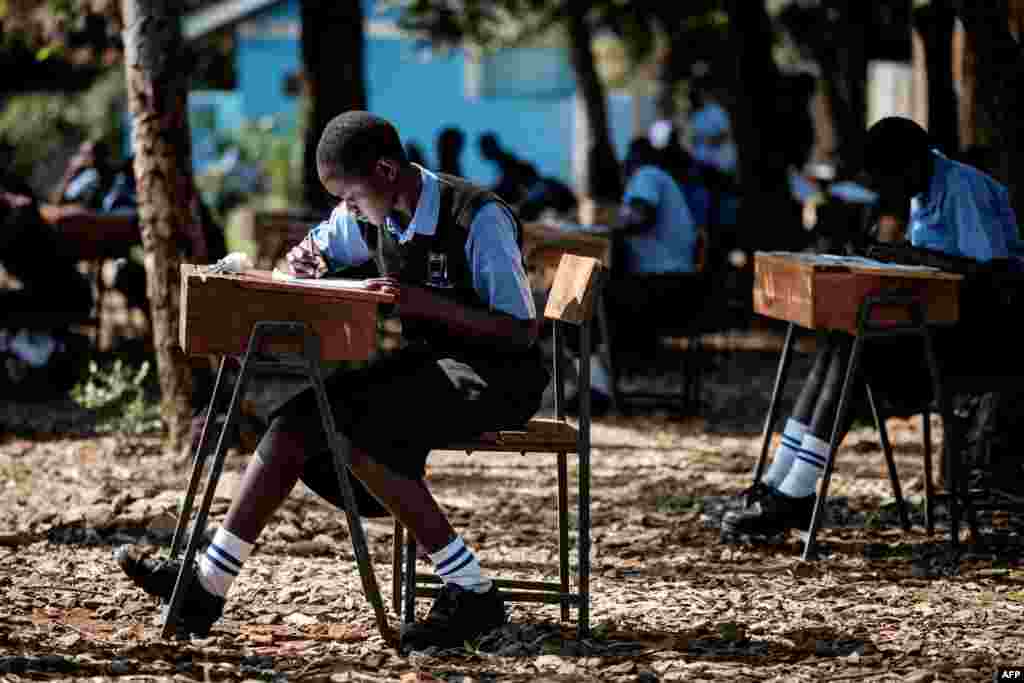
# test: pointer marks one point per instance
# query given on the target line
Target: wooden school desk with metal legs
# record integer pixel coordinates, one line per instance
(869, 300)
(278, 327)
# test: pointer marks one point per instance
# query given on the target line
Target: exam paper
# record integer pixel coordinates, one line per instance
(324, 283)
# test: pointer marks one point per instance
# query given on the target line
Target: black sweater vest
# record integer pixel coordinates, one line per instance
(439, 261)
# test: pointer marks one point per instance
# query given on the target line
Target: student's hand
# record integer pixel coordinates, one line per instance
(413, 300)
(305, 260)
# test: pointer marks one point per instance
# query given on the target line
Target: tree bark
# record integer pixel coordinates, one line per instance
(934, 23)
(333, 65)
(768, 217)
(1000, 85)
(157, 84)
(601, 179)
(844, 63)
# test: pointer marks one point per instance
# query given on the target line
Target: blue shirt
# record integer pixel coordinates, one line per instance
(964, 212)
(668, 247)
(494, 258)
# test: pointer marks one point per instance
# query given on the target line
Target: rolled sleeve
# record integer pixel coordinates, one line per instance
(497, 263)
(340, 240)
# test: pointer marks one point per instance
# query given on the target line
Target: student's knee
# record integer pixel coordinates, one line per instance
(287, 441)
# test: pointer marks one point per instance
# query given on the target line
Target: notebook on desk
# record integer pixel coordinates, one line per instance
(324, 282)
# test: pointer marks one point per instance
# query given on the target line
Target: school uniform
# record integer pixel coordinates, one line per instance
(463, 242)
(964, 212)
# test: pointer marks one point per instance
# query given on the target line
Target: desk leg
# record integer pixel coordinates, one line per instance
(341, 447)
(781, 375)
(198, 460)
(186, 573)
(840, 419)
(883, 437)
(951, 443)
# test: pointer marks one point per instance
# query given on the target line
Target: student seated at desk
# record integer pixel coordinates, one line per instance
(449, 251)
(954, 209)
(654, 265)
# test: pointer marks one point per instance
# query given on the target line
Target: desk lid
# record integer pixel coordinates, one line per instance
(851, 264)
(264, 280)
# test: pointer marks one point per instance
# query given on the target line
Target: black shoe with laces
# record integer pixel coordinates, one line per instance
(748, 496)
(199, 608)
(458, 615)
(770, 514)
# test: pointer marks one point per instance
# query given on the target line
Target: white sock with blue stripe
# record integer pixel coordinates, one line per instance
(223, 559)
(808, 464)
(456, 563)
(792, 437)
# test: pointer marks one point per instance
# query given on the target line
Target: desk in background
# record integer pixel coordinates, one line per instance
(868, 299)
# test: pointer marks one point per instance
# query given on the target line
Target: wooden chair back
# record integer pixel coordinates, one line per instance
(573, 292)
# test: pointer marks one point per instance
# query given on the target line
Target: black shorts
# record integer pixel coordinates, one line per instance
(404, 404)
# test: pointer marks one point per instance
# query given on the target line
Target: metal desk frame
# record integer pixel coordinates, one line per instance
(307, 365)
(868, 329)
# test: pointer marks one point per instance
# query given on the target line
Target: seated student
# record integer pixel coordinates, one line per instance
(450, 143)
(655, 240)
(515, 174)
(449, 251)
(35, 319)
(954, 209)
(87, 176)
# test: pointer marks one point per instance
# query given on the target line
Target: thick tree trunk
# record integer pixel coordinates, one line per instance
(768, 218)
(602, 180)
(334, 72)
(934, 23)
(843, 59)
(1000, 85)
(157, 81)
(967, 96)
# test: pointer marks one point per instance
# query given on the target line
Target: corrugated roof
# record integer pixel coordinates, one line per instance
(220, 14)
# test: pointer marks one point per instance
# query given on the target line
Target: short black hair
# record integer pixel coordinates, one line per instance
(354, 141)
(893, 142)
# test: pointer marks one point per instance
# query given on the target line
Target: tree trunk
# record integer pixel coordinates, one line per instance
(1000, 85)
(967, 96)
(601, 178)
(334, 73)
(157, 83)
(843, 59)
(934, 22)
(768, 218)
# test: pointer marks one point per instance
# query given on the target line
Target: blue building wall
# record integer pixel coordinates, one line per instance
(423, 92)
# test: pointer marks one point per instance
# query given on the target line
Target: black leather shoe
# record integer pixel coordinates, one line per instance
(756, 492)
(457, 616)
(199, 608)
(770, 514)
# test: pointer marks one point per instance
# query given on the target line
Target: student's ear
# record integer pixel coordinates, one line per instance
(387, 169)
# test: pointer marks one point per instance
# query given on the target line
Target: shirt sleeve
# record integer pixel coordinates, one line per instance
(497, 263)
(340, 240)
(644, 185)
(980, 219)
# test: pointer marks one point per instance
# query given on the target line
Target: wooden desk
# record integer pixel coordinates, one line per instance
(281, 326)
(544, 244)
(218, 312)
(868, 300)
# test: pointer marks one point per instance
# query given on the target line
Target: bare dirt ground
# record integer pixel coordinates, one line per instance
(670, 602)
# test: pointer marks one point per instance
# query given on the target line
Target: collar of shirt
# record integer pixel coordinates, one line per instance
(428, 208)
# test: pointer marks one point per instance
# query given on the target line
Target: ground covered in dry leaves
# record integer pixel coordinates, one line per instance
(670, 602)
